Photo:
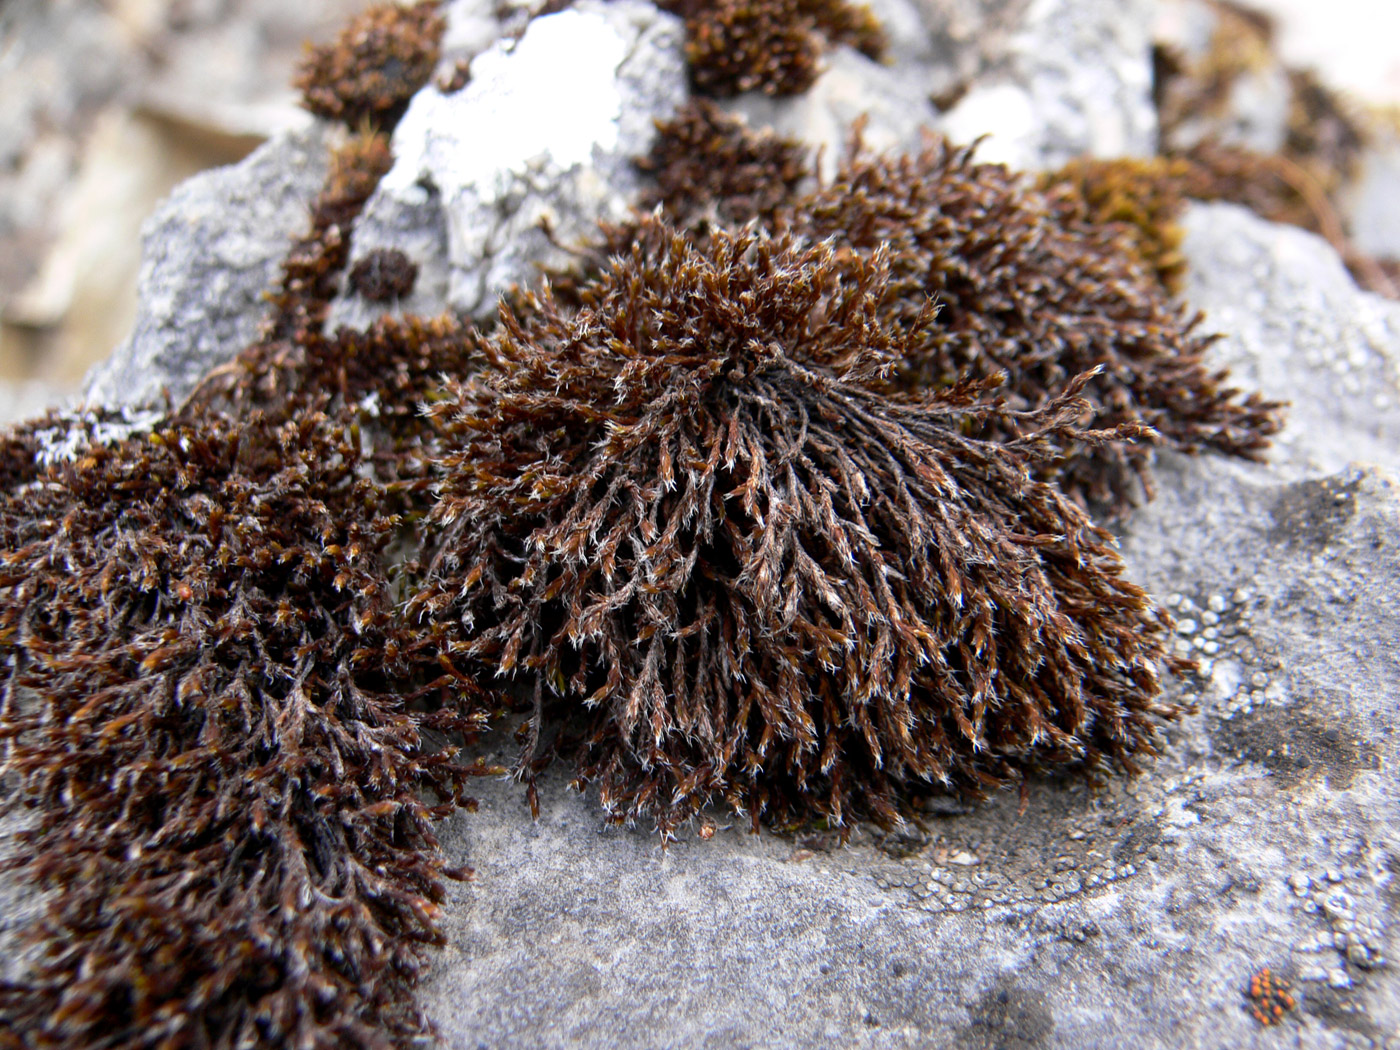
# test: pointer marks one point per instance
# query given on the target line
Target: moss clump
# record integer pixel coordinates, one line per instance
(212, 703)
(384, 275)
(693, 511)
(1043, 282)
(1025, 289)
(205, 660)
(773, 46)
(1147, 196)
(376, 64)
(708, 167)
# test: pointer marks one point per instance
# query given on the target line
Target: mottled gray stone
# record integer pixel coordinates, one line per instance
(1253, 112)
(532, 153)
(1372, 215)
(965, 38)
(1295, 326)
(211, 252)
(895, 108)
(1076, 79)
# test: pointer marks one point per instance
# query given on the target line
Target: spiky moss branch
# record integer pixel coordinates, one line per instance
(1022, 289)
(691, 510)
(773, 46)
(208, 697)
(375, 66)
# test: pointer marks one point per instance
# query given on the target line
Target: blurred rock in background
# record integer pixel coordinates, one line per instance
(106, 106)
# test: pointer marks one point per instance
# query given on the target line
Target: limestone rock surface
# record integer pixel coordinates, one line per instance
(1076, 79)
(1134, 915)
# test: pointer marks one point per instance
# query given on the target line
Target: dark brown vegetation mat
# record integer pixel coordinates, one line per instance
(694, 510)
(787, 518)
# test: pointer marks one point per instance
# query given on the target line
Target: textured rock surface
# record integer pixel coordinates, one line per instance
(895, 108)
(209, 255)
(1296, 327)
(1076, 79)
(107, 107)
(1132, 916)
(512, 163)
(1372, 216)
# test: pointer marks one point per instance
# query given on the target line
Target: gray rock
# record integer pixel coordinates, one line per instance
(20, 906)
(1077, 79)
(210, 254)
(533, 152)
(1296, 327)
(412, 221)
(472, 27)
(1253, 112)
(964, 38)
(895, 106)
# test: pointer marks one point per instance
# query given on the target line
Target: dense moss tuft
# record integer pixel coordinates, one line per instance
(384, 275)
(773, 46)
(1147, 195)
(374, 66)
(1041, 282)
(692, 511)
(1026, 286)
(708, 167)
(211, 700)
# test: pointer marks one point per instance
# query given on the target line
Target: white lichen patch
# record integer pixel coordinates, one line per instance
(76, 433)
(553, 98)
(529, 156)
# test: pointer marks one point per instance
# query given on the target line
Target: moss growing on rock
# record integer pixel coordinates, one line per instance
(212, 702)
(692, 510)
(376, 64)
(773, 46)
(1026, 287)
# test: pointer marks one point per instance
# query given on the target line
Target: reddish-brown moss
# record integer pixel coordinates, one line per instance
(384, 275)
(376, 64)
(1020, 290)
(206, 618)
(1146, 195)
(210, 700)
(773, 46)
(709, 167)
(691, 510)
